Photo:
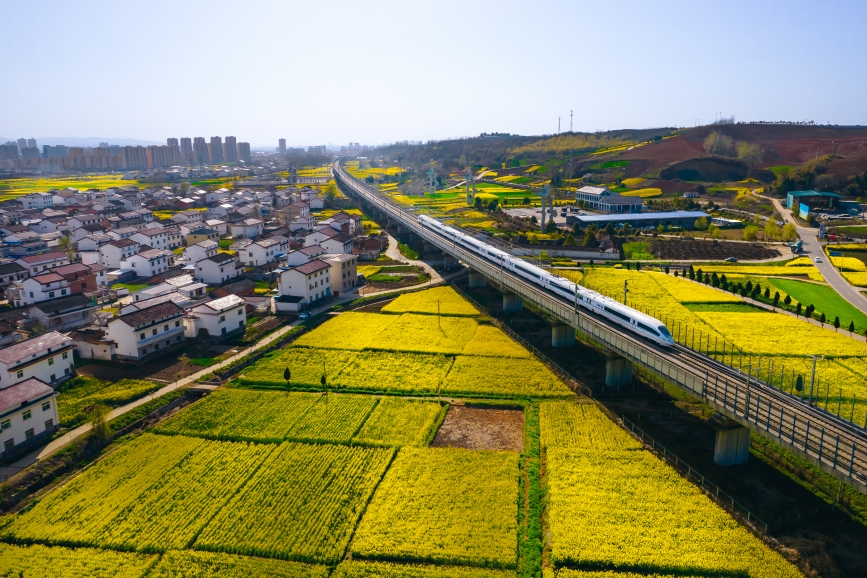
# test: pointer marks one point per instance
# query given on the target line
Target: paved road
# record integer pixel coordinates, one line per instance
(812, 247)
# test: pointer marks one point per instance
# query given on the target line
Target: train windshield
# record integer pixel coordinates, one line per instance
(664, 332)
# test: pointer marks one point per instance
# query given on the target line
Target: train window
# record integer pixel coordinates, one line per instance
(647, 328)
(618, 314)
(664, 331)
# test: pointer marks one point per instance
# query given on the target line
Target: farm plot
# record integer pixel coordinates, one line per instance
(365, 569)
(301, 504)
(85, 508)
(778, 334)
(348, 330)
(237, 415)
(628, 510)
(705, 250)
(580, 425)
(306, 365)
(80, 392)
(399, 422)
(489, 376)
(490, 341)
(444, 506)
(380, 371)
(191, 564)
(826, 300)
(59, 562)
(333, 419)
(436, 301)
(425, 334)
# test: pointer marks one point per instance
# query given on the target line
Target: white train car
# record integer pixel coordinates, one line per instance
(627, 317)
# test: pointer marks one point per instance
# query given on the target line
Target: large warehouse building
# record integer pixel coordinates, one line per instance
(684, 219)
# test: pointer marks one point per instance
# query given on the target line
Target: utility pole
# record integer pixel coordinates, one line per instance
(625, 290)
(570, 120)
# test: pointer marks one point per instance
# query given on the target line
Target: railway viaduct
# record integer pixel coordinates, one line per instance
(741, 402)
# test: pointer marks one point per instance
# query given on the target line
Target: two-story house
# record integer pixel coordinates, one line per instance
(43, 262)
(344, 272)
(302, 285)
(113, 253)
(249, 228)
(38, 288)
(28, 415)
(218, 269)
(201, 250)
(217, 318)
(147, 333)
(149, 263)
(47, 357)
(264, 251)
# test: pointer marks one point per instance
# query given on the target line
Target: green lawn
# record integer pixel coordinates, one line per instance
(133, 287)
(825, 299)
(637, 250)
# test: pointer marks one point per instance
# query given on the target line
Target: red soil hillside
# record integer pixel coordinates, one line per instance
(783, 145)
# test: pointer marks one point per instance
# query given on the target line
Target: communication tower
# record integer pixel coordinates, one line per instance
(432, 179)
(471, 188)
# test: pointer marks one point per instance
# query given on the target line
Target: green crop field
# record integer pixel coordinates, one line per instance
(825, 299)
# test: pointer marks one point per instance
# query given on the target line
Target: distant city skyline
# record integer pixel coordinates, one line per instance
(387, 71)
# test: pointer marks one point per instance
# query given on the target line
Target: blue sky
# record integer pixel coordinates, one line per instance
(373, 72)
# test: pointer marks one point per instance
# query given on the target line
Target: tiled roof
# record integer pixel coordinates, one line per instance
(52, 306)
(152, 232)
(73, 268)
(122, 243)
(19, 394)
(21, 351)
(220, 258)
(47, 278)
(43, 258)
(223, 303)
(6, 268)
(311, 267)
(151, 314)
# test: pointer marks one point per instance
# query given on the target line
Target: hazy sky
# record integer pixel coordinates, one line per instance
(317, 72)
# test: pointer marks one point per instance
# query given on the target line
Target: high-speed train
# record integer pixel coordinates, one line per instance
(635, 321)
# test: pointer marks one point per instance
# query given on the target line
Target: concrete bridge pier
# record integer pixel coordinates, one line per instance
(618, 371)
(430, 248)
(449, 262)
(512, 303)
(732, 441)
(477, 279)
(562, 335)
(401, 229)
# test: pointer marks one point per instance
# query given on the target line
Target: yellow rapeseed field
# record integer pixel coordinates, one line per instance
(60, 562)
(365, 569)
(485, 376)
(439, 300)
(217, 565)
(581, 425)
(850, 264)
(645, 193)
(348, 330)
(301, 504)
(400, 422)
(857, 279)
(490, 341)
(450, 506)
(633, 182)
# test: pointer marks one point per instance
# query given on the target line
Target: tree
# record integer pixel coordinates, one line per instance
(799, 384)
(551, 227)
(822, 318)
(776, 298)
(526, 200)
(699, 275)
(837, 322)
(691, 273)
(768, 293)
(676, 274)
(788, 300)
(714, 279)
(478, 204)
(98, 424)
(637, 266)
(809, 311)
(798, 309)
(851, 327)
(628, 265)
(772, 231)
(492, 205)
(590, 239)
(789, 232)
(717, 143)
(609, 229)
(713, 230)
(750, 153)
(750, 233)
(65, 245)
(570, 241)
(666, 270)
(701, 223)
(330, 192)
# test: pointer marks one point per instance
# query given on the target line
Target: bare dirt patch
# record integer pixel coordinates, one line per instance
(476, 428)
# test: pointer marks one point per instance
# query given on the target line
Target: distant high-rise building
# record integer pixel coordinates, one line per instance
(22, 144)
(186, 145)
(113, 150)
(230, 150)
(31, 143)
(171, 141)
(9, 151)
(282, 147)
(103, 145)
(30, 152)
(134, 158)
(244, 152)
(316, 150)
(215, 149)
(54, 152)
(200, 151)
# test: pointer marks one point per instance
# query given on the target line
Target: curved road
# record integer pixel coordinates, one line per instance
(812, 247)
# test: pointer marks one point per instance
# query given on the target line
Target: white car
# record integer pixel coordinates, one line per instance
(818, 259)
(303, 316)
